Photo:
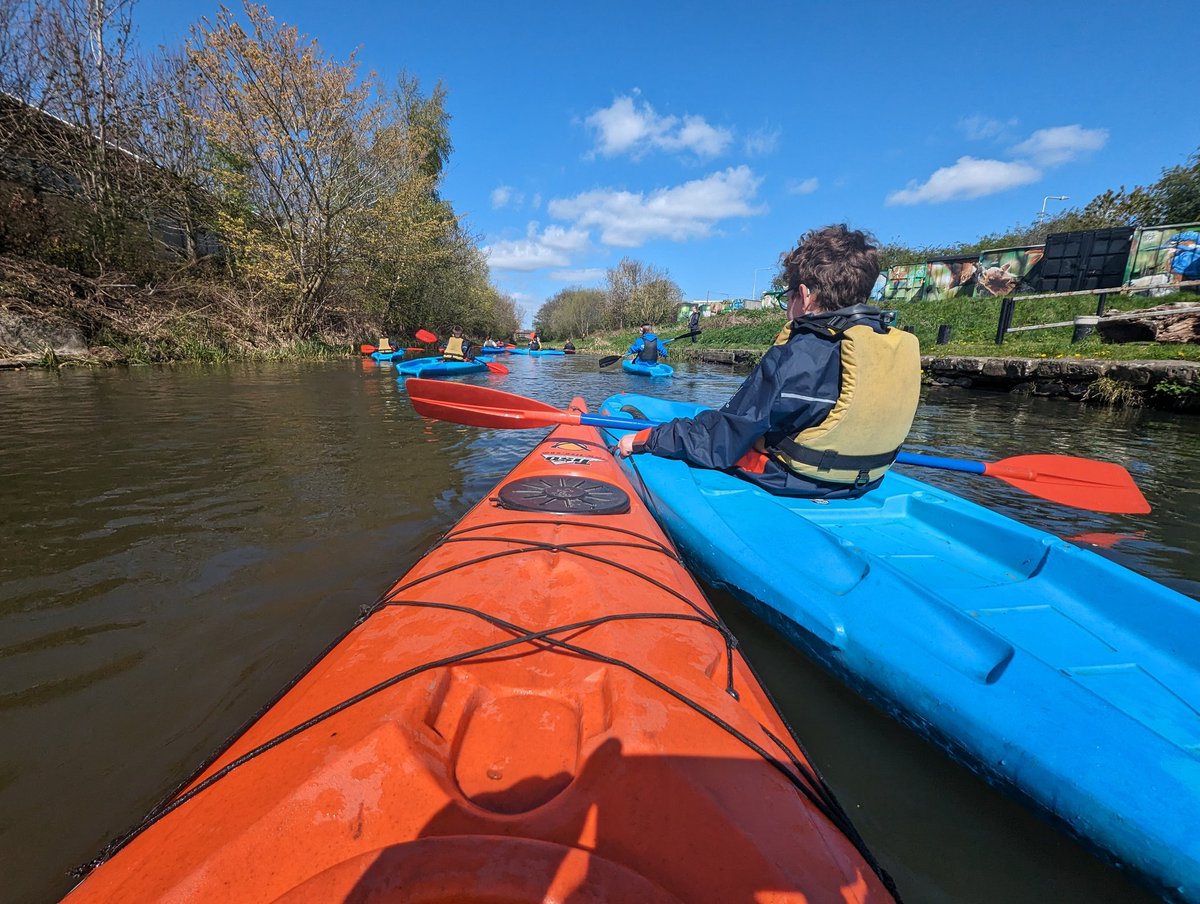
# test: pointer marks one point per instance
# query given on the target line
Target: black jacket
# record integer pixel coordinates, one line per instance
(794, 387)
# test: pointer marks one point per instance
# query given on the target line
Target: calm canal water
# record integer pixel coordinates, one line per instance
(176, 543)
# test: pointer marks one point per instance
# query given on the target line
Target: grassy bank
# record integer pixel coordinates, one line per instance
(972, 325)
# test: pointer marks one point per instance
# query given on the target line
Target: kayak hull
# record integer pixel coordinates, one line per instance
(547, 352)
(590, 734)
(1055, 674)
(438, 367)
(657, 369)
(490, 350)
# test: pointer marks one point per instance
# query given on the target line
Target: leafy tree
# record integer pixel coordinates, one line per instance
(639, 293)
(570, 313)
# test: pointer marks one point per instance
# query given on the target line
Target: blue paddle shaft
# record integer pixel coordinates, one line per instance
(615, 423)
(904, 458)
(946, 464)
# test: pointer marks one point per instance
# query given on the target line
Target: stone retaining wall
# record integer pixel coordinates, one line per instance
(1054, 376)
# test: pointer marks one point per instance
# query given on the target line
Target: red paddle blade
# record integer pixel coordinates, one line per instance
(425, 336)
(1084, 483)
(367, 349)
(478, 406)
(495, 367)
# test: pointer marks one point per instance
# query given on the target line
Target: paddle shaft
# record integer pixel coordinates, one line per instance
(1081, 482)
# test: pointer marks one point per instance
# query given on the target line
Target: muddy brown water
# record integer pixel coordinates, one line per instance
(177, 542)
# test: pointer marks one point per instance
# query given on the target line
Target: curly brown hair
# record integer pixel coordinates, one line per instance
(837, 263)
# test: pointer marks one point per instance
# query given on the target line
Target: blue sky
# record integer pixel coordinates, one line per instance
(705, 139)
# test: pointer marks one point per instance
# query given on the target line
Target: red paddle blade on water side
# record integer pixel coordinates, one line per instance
(495, 367)
(478, 406)
(1085, 483)
(367, 349)
(425, 336)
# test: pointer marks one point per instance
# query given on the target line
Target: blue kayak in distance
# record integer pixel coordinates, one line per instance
(646, 370)
(543, 352)
(519, 351)
(491, 350)
(387, 356)
(438, 367)
(1055, 674)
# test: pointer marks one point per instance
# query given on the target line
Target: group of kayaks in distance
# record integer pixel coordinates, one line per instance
(639, 362)
(567, 738)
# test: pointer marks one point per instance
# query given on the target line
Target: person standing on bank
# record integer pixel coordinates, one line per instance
(648, 347)
(694, 323)
(457, 348)
(829, 405)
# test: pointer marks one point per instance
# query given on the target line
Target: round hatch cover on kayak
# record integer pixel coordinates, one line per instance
(564, 495)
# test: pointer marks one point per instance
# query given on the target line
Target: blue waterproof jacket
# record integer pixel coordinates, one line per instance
(648, 348)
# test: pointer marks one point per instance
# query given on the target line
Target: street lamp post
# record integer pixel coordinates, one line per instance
(754, 289)
(1042, 215)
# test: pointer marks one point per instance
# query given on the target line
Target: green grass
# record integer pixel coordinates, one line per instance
(972, 323)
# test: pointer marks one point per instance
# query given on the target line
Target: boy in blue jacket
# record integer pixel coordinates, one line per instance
(648, 347)
(825, 411)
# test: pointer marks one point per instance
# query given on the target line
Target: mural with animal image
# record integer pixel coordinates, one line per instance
(952, 277)
(1008, 271)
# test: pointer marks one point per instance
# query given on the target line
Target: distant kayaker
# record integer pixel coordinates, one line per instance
(569, 347)
(457, 348)
(535, 344)
(828, 406)
(489, 342)
(648, 347)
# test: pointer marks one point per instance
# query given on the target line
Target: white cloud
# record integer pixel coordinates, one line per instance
(1061, 144)
(628, 219)
(501, 195)
(553, 247)
(978, 127)
(588, 274)
(968, 178)
(632, 127)
(802, 186)
(761, 142)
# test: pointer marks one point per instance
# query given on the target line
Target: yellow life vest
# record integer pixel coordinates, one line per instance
(880, 390)
(385, 344)
(454, 349)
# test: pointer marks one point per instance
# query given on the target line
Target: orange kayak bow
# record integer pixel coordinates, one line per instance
(544, 708)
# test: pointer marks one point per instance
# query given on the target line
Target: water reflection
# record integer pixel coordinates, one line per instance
(176, 543)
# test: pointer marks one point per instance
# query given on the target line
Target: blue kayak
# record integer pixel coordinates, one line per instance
(491, 350)
(437, 367)
(646, 370)
(519, 351)
(1050, 671)
(387, 356)
(543, 352)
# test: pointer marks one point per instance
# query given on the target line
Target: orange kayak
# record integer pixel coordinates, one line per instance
(545, 708)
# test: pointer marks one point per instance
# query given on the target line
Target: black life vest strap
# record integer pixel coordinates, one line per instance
(831, 459)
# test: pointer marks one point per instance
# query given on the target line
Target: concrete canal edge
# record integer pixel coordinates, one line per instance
(1163, 384)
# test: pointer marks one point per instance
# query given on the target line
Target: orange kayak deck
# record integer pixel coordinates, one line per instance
(544, 708)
